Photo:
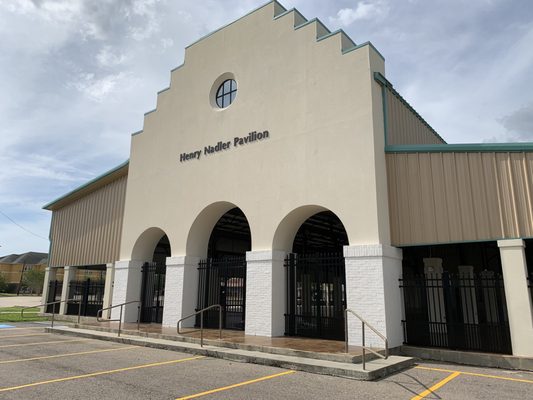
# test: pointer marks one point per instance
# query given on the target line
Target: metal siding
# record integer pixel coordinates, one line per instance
(87, 231)
(403, 126)
(442, 227)
(481, 212)
(456, 197)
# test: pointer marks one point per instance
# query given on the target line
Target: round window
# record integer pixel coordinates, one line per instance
(226, 93)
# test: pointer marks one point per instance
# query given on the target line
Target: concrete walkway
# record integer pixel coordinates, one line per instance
(375, 369)
(19, 301)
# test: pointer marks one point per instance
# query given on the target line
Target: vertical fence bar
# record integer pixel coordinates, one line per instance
(470, 314)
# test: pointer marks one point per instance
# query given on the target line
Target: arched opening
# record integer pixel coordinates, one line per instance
(316, 279)
(222, 275)
(153, 281)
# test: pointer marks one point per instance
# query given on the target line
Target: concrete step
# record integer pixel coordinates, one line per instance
(375, 369)
(337, 357)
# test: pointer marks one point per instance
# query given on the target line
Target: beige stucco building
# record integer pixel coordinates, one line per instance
(283, 177)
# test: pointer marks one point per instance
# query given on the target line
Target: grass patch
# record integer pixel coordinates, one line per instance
(7, 294)
(12, 314)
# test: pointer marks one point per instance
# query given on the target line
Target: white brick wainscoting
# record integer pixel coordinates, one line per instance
(127, 287)
(181, 290)
(372, 291)
(265, 293)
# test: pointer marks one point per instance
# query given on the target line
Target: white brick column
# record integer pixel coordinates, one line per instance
(373, 291)
(181, 290)
(265, 293)
(127, 287)
(108, 289)
(519, 306)
(49, 275)
(69, 275)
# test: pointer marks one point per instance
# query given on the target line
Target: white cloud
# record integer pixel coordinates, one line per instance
(364, 10)
(97, 89)
(106, 57)
(81, 73)
(519, 123)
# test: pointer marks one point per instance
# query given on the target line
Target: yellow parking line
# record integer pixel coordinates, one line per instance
(436, 386)
(70, 378)
(49, 342)
(68, 354)
(264, 378)
(505, 378)
(26, 334)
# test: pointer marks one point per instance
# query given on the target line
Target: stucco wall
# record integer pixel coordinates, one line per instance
(325, 145)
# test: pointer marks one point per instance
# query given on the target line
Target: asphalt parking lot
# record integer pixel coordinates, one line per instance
(39, 365)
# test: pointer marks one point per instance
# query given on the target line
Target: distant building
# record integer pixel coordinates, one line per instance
(283, 177)
(13, 266)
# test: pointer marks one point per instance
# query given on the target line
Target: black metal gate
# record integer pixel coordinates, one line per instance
(153, 292)
(316, 295)
(222, 281)
(90, 293)
(54, 294)
(456, 311)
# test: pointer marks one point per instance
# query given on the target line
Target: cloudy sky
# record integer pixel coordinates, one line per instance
(76, 77)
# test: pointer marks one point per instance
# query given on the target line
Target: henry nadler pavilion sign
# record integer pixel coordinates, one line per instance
(220, 146)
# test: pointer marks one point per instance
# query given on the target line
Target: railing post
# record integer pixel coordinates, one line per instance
(79, 313)
(220, 322)
(363, 337)
(346, 331)
(120, 320)
(53, 315)
(202, 329)
(139, 316)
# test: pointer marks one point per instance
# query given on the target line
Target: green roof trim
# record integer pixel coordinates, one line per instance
(175, 68)
(466, 241)
(338, 31)
(232, 22)
(516, 147)
(288, 12)
(310, 22)
(86, 185)
(363, 45)
(385, 83)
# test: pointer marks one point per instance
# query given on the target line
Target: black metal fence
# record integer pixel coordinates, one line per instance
(90, 293)
(153, 292)
(54, 294)
(316, 295)
(222, 281)
(456, 311)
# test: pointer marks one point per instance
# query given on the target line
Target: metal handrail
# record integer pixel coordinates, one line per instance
(99, 314)
(53, 309)
(201, 312)
(363, 323)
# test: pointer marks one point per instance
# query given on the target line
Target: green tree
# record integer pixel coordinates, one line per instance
(3, 283)
(33, 279)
